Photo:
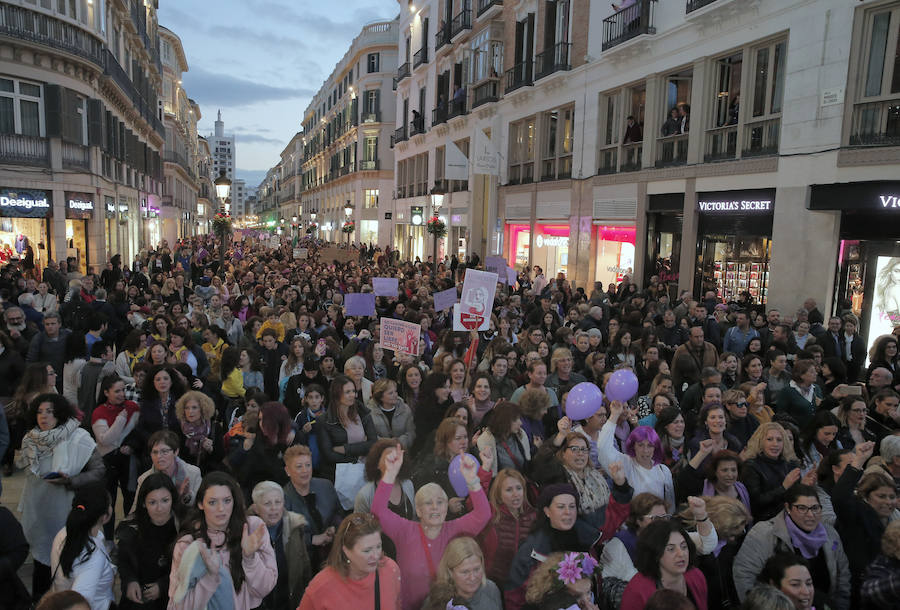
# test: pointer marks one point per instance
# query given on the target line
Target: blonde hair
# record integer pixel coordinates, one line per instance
(890, 540)
(728, 515)
(560, 353)
(543, 578)
(428, 492)
(754, 445)
(457, 551)
(533, 401)
(207, 406)
(288, 320)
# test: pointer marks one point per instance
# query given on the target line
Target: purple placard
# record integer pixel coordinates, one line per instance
(511, 276)
(444, 299)
(385, 286)
(360, 304)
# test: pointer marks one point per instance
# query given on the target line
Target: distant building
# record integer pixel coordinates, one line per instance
(222, 149)
(238, 198)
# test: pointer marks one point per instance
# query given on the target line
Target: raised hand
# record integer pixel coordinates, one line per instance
(697, 507)
(564, 425)
(862, 454)
(251, 541)
(487, 458)
(617, 473)
(393, 460)
(469, 469)
(810, 478)
(615, 410)
(707, 445)
(209, 560)
(791, 478)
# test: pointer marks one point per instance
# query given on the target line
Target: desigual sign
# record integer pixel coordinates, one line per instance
(22, 203)
(79, 205)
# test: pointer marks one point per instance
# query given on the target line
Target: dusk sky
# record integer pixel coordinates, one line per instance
(260, 62)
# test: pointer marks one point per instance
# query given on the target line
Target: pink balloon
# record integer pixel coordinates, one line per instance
(583, 401)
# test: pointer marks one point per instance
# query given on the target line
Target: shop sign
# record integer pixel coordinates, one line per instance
(79, 206)
(889, 201)
(737, 205)
(16, 203)
(551, 241)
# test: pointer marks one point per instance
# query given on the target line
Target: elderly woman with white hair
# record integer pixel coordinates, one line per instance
(355, 368)
(44, 300)
(421, 545)
(286, 532)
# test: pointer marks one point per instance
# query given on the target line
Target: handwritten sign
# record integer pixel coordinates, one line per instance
(400, 335)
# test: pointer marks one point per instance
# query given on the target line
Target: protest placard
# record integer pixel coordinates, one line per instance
(385, 286)
(300, 254)
(511, 276)
(444, 299)
(458, 321)
(477, 298)
(360, 304)
(400, 335)
(331, 254)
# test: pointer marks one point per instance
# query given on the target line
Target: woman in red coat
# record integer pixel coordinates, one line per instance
(512, 518)
(665, 559)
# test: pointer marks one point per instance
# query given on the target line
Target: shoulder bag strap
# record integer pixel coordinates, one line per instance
(377, 592)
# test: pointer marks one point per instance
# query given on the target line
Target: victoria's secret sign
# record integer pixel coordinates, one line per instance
(876, 195)
(737, 202)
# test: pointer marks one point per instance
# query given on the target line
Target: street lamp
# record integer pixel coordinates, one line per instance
(348, 212)
(223, 190)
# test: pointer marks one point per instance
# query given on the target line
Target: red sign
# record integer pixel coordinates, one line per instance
(471, 321)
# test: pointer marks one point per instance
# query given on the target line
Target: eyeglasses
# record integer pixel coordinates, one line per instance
(51, 372)
(575, 449)
(15, 320)
(164, 451)
(658, 517)
(803, 509)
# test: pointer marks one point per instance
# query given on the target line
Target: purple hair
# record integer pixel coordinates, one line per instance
(645, 433)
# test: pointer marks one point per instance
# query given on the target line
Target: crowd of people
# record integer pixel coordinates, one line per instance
(191, 436)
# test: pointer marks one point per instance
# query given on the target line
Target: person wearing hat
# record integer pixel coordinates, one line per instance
(296, 385)
(556, 531)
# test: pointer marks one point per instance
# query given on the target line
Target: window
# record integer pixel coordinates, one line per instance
(21, 108)
(876, 116)
(762, 129)
(370, 198)
(557, 126)
(374, 62)
(370, 148)
(461, 185)
(521, 151)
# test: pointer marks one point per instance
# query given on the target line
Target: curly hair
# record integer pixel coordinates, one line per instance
(890, 540)
(543, 578)
(533, 401)
(754, 445)
(207, 406)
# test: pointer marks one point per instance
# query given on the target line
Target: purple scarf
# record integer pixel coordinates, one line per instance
(808, 543)
(710, 490)
(194, 434)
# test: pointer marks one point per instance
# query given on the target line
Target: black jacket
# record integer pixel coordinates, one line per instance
(763, 478)
(332, 434)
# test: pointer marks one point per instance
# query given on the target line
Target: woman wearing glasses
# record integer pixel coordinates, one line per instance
(741, 424)
(852, 416)
(797, 528)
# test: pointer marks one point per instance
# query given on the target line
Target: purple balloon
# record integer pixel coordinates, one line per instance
(457, 480)
(583, 401)
(622, 385)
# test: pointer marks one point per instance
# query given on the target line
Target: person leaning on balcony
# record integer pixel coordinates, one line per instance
(632, 131)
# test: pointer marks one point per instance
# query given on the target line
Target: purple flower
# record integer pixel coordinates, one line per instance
(569, 571)
(588, 564)
(452, 606)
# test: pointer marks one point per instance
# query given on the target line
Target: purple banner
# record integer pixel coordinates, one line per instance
(385, 286)
(360, 304)
(444, 299)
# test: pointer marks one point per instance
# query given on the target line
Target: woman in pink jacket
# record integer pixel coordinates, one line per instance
(222, 553)
(420, 545)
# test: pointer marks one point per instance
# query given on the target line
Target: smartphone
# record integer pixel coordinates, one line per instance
(52, 475)
(853, 390)
(320, 343)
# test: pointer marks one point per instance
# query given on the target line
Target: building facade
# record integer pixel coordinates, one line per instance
(343, 155)
(223, 150)
(733, 146)
(81, 133)
(178, 215)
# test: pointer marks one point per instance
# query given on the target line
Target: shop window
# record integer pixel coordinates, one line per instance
(21, 108)
(876, 113)
(556, 157)
(370, 198)
(521, 151)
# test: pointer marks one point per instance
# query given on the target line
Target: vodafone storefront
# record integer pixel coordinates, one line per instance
(547, 246)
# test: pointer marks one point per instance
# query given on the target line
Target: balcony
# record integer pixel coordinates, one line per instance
(876, 124)
(457, 107)
(762, 138)
(629, 23)
(485, 5)
(486, 92)
(24, 150)
(672, 150)
(632, 154)
(174, 157)
(554, 59)
(519, 76)
(420, 57)
(439, 115)
(721, 144)
(441, 37)
(399, 136)
(460, 23)
(368, 165)
(38, 28)
(417, 125)
(75, 156)
(370, 117)
(609, 160)
(402, 71)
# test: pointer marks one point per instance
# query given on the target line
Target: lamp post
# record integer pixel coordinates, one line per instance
(348, 212)
(437, 200)
(294, 226)
(223, 190)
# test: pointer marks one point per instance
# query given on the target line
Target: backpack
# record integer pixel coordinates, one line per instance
(76, 314)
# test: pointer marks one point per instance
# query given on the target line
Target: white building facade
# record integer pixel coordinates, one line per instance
(223, 149)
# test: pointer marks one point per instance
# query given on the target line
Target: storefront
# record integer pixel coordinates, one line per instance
(549, 249)
(25, 221)
(868, 273)
(734, 245)
(152, 227)
(664, 222)
(79, 212)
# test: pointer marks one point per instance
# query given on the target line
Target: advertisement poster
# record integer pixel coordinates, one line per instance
(400, 336)
(885, 312)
